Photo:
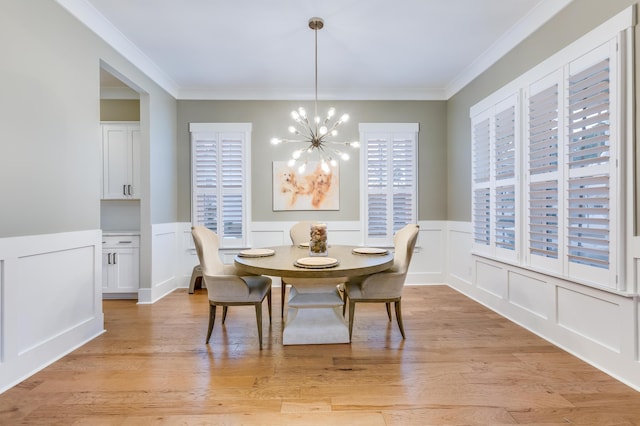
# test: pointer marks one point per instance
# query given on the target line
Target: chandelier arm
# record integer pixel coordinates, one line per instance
(309, 129)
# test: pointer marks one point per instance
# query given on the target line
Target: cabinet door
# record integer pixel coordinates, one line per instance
(120, 161)
(116, 162)
(134, 139)
(106, 271)
(125, 268)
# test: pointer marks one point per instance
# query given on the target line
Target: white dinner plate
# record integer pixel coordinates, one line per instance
(316, 262)
(304, 245)
(256, 253)
(370, 250)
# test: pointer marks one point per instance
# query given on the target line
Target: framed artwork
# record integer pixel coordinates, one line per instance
(313, 189)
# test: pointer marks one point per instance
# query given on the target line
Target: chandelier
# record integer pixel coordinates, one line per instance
(317, 134)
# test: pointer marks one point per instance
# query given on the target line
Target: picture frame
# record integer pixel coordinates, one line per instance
(310, 189)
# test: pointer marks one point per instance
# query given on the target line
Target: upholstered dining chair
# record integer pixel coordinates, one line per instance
(225, 287)
(385, 287)
(299, 233)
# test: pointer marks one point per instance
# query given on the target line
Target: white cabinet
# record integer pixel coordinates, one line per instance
(120, 265)
(121, 160)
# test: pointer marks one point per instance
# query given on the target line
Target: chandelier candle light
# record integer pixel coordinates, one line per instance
(316, 134)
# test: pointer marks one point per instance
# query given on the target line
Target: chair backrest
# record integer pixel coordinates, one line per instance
(207, 246)
(300, 232)
(404, 243)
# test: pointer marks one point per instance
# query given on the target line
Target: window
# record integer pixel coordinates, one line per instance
(220, 179)
(389, 181)
(495, 155)
(572, 138)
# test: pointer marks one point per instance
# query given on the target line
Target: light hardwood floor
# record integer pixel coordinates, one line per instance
(461, 364)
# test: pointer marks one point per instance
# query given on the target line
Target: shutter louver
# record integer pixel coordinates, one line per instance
(544, 237)
(232, 178)
(206, 163)
(505, 217)
(588, 221)
(482, 216)
(543, 131)
(589, 117)
(206, 211)
(403, 163)
(543, 219)
(481, 152)
(377, 182)
(481, 169)
(505, 149)
(589, 193)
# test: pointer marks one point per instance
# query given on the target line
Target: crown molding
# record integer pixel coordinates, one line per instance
(542, 13)
(96, 22)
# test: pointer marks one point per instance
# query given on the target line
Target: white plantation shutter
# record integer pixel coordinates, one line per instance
(377, 186)
(494, 160)
(482, 216)
(505, 149)
(543, 219)
(403, 165)
(389, 161)
(481, 176)
(591, 185)
(220, 179)
(505, 173)
(482, 151)
(544, 174)
(575, 151)
(505, 217)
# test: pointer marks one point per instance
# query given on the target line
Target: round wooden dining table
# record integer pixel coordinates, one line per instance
(314, 307)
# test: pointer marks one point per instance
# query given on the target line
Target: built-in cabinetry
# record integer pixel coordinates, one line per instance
(120, 160)
(120, 265)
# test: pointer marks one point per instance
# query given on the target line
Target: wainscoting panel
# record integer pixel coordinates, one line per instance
(50, 299)
(165, 262)
(529, 293)
(593, 318)
(458, 252)
(40, 301)
(599, 326)
(492, 278)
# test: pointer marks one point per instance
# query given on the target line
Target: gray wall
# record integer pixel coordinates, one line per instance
(271, 118)
(49, 120)
(119, 110)
(578, 18)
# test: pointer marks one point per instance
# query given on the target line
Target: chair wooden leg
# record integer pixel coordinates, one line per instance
(269, 304)
(196, 277)
(345, 300)
(224, 313)
(399, 318)
(388, 310)
(259, 320)
(212, 319)
(352, 309)
(283, 290)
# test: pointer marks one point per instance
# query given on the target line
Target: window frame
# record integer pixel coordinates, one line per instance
(219, 132)
(388, 132)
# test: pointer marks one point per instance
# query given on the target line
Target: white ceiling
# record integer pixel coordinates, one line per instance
(368, 49)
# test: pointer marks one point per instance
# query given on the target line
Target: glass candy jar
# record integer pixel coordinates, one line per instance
(318, 240)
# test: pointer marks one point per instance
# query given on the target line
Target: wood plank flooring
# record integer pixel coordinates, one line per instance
(461, 364)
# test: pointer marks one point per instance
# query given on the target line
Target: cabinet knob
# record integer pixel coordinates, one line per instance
(124, 189)
(129, 189)
(109, 258)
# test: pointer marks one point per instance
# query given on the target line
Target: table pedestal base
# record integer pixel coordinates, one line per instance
(314, 314)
